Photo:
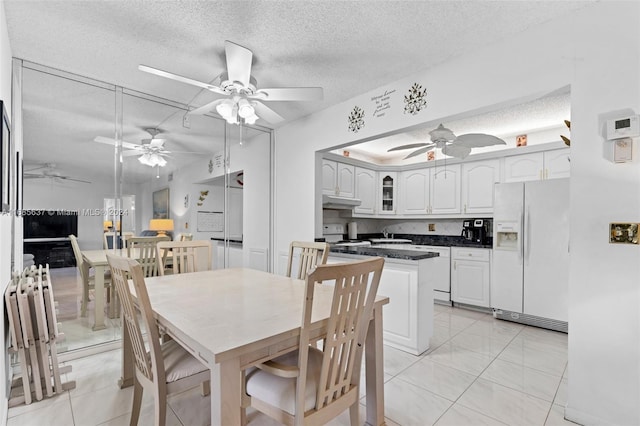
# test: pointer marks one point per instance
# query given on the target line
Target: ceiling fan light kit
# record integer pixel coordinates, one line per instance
(152, 160)
(244, 102)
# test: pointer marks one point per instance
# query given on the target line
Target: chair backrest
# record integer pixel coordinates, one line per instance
(186, 256)
(123, 269)
(310, 254)
(109, 237)
(356, 286)
(146, 255)
(186, 237)
(78, 255)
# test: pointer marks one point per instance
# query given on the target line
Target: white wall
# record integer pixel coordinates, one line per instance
(604, 340)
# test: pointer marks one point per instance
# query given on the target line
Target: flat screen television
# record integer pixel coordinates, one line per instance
(49, 224)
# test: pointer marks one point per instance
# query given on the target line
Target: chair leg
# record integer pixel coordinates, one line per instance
(160, 408)
(354, 414)
(85, 300)
(137, 402)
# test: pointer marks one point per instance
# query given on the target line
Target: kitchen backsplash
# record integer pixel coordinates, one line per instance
(397, 226)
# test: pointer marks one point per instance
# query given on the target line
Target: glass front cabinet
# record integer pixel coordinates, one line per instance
(388, 192)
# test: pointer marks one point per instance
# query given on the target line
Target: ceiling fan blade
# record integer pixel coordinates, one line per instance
(71, 179)
(409, 146)
(456, 150)
(420, 151)
(182, 79)
(211, 106)
(239, 60)
(131, 153)
(291, 94)
(267, 114)
(108, 141)
(476, 140)
(34, 176)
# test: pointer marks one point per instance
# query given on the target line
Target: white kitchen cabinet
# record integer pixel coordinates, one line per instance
(235, 259)
(552, 164)
(366, 190)
(407, 322)
(338, 178)
(478, 181)
(445, 189)
(388, 190)
(471, 276)
(430, 191)
(414, 192)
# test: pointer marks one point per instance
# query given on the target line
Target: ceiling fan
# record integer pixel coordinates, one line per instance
(151, 152)
(48, 172)
(243, 101)
(450, 144)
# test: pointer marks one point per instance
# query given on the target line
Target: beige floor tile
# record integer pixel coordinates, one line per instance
(524, 379)
(51, 412)
(102, 405)
(561, 394)
(409, 405)
(396, 360)
(462, 359)
(556, 417)
(458, 415)
(444, 381)
(486, 345)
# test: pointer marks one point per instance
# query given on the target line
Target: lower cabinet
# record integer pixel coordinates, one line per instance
(471, 276)
(407, 321)
(235, 255)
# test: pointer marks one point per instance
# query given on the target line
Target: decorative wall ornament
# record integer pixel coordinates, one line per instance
(210, 166)
(414, 100)
(356, 119)
(202, 197)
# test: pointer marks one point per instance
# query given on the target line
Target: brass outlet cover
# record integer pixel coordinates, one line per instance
(432, 227)
(623, 233)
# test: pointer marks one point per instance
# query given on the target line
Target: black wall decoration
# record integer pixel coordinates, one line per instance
(415, 99)
(356, 119)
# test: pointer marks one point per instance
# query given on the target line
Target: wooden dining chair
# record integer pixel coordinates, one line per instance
(312, 386)
(186, 256)
(88, 279)
(108, 239)
(146, 255)
(163, 369)
(309, 254)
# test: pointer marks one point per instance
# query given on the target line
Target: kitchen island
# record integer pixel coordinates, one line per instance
(407, 281)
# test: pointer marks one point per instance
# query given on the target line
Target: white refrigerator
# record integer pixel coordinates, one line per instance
(530, 270)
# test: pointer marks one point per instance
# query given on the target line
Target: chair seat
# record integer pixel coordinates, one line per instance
(179, 363)
(281, 392)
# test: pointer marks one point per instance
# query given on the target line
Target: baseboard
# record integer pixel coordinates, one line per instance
(533, 320)
(581, 418)
(88, 351)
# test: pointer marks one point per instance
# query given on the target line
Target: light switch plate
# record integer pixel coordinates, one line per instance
(623, 233)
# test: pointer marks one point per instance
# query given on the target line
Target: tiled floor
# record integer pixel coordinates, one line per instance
(479, 371)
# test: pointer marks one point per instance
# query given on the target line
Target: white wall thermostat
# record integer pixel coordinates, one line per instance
(625, 127)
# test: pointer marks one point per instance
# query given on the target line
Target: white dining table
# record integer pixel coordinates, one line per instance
(231, 319)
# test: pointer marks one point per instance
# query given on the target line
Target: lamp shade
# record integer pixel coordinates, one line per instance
(107, 224)
(161, 225)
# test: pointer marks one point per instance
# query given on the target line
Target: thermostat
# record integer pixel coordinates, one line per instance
(626, 127)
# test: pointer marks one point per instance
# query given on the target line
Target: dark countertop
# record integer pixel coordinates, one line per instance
(430, 240)
(230, 240)
(384, 252)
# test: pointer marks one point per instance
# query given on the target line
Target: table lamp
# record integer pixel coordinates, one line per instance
(161, 226)
(107, 225)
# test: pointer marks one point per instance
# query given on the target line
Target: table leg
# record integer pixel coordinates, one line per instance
(99, 299)
(126, 378)
(374, 366)
(226, 387)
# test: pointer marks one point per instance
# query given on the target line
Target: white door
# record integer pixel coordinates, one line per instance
(556, 164)
(329, 177)
(507, 261)
(478, 181)
(346, 180)
(546, 249)
(365, 190)
(525, 167)
(445, 190)
(414, 192)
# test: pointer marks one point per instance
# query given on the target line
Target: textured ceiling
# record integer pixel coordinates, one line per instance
(346, 47)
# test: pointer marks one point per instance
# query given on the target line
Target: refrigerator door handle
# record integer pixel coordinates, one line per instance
(520, 242)
(527, 237)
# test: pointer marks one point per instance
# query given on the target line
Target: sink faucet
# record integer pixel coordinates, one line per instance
(385, 233)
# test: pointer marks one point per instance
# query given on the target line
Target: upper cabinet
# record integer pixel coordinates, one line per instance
(366, 189)
(430, 191)
(338, 179)
(388, 190)
(478, 181)
(537, 166)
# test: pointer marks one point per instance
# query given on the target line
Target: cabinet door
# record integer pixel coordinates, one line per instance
(478, 181)
(520, 168)
(329, 177)
(470, 282)
(556, 164)
(365, 191)
(235, 213)
(346, 180)
(445, 190)
(388, 182)
(414, 192)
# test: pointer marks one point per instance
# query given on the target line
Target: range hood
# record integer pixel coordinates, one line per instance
(339, 203)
